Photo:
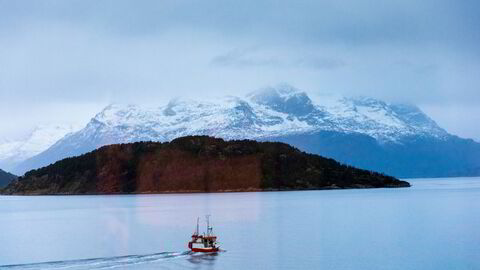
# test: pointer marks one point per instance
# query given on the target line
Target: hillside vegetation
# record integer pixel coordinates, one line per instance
(195, 164)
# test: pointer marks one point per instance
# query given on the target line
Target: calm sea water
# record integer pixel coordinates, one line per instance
(433, 225)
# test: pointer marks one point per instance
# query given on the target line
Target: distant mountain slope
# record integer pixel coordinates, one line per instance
(6, 178)
(40, 139)
(396, 139)
(411, 157)
(195, 164)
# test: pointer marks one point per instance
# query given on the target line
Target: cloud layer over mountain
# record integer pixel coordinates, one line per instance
(72, 58)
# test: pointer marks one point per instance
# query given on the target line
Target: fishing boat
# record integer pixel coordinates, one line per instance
(206, 242)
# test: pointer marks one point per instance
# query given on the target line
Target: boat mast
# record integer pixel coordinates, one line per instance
(209, 229)
(196, 232)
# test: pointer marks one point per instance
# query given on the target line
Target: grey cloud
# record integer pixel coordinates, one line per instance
(347, 22)
(319, 62)
(56, 52)
(242, 58)
(253, 57)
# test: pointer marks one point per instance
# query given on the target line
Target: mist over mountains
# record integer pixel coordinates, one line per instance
(40, 138)
(396, 139)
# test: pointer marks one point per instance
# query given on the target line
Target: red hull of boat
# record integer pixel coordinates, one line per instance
(205, 249)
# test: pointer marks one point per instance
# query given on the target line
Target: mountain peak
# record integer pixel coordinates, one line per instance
(116, 113)
(283, 90)
(283, 98)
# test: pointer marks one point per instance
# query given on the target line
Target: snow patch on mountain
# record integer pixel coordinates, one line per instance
(37, 141)
(386, 122)
(269, 112)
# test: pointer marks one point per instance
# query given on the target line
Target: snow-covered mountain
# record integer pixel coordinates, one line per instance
(280, 113)
(264, 113)
(38, 140)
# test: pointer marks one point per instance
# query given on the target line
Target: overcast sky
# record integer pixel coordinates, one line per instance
(62, 61)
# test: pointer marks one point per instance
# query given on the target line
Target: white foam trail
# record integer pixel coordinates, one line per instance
(100, 263)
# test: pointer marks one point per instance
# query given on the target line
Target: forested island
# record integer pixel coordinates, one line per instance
(195, 164)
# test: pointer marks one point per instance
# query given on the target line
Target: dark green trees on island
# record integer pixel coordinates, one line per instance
(195, 164)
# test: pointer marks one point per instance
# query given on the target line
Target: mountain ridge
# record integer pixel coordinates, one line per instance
(272, 113)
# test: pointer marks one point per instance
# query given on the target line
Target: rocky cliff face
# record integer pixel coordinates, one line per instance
(195, 164)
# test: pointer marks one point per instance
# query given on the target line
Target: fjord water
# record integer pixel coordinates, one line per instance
(432, 225)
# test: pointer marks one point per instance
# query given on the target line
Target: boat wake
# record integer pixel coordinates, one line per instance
(102, 263)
